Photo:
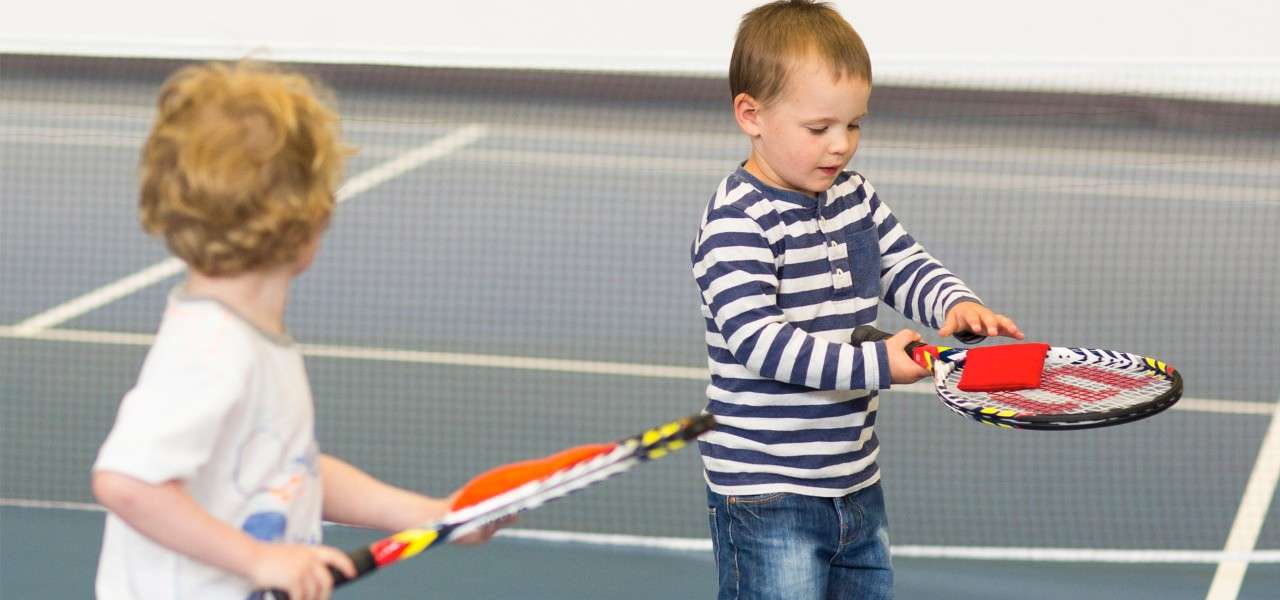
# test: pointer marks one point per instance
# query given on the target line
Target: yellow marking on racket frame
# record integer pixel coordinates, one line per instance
(995, 423)
(415, 540)
(650, 437)
(653, 435)
(999, 412)
(1158, 365)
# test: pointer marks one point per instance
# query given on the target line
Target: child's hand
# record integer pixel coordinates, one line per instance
(483, 534)
(974, 317)
(901, 368)
(299, 570)
(478, 536)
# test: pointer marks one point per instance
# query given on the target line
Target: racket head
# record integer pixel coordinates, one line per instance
(507, 477)
(1080, 388)
(517, 487)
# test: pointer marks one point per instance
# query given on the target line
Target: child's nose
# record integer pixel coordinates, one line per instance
(841, 144)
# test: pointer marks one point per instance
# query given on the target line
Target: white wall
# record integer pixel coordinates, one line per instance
(1179, 47)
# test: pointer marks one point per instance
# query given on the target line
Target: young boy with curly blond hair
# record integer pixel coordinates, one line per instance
(792, 254)
(211, 472)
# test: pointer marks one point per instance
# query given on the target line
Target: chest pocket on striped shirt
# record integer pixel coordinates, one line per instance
(863, 263)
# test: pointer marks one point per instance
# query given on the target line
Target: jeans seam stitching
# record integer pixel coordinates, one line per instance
(737, 573)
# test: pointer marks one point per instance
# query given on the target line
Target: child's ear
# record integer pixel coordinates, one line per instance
(746, 111)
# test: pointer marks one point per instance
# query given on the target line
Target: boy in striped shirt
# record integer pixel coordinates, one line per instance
(793, 252)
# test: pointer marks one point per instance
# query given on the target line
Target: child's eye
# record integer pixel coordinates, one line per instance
(853, 126)
(817, 130)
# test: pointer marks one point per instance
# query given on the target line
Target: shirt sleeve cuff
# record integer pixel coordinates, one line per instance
(881, 377)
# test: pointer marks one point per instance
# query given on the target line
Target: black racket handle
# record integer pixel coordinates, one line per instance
(867, 333)
(363, 559)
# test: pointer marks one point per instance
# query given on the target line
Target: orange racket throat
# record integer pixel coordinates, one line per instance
(508, 477)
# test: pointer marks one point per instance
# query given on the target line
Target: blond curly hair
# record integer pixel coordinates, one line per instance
(241, 166)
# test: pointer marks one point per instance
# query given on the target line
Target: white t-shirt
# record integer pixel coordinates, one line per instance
(226, 409)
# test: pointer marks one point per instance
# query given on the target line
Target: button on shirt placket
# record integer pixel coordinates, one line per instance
(840, 277)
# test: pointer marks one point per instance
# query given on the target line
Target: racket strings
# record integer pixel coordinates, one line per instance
(1071, 389)
(538, 491)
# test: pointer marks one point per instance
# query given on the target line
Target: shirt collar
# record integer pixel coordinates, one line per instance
(792, 196)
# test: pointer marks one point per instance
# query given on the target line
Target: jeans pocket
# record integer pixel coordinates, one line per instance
(754, 508)
(757, 499)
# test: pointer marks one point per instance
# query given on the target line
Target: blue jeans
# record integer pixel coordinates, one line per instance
(792, 547)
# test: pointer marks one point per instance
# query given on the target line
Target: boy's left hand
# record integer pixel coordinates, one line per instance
(483, 534)
(976, 318)
(478, 536)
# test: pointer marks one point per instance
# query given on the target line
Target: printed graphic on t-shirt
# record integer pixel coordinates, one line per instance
(272, 482)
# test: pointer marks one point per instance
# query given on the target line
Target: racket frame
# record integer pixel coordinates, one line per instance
(628, 452)
(942, 361)
(948, 360)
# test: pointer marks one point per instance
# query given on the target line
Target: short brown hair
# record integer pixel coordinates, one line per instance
(240, 168)
(773, 36)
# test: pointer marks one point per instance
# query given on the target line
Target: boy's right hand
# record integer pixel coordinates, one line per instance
(901, 368)
(301, 571)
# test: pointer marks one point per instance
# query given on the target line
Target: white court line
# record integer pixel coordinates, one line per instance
(1026, 554)
(1093, 555)
(52, 505)
(874, 146)
(167, 268)
(876, 149)
(527, 363)
(102, 296)
(1118, 187)
(411, 160)
(1251, 515)
(679, 544)
(530, 363)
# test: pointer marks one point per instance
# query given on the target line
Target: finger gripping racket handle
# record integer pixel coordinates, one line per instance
(922, 354)
(919, 352)
(365, 564)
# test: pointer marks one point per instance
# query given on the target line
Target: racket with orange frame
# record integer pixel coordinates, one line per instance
(520, 486)
(1038, 386)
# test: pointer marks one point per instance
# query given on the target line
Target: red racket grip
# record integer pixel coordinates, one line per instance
(923, 354)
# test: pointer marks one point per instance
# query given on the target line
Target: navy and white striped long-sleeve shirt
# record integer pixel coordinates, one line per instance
(785, 277)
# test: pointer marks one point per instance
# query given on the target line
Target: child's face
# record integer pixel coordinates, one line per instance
(803, 139)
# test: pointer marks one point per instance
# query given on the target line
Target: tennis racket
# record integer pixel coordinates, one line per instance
(1078, 388)
(517, 487)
